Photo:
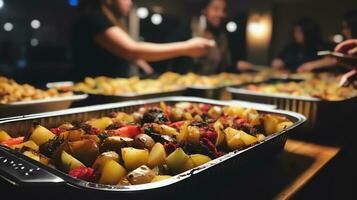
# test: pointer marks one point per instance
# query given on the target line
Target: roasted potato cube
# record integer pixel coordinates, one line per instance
(283, 125)
(41, 135)
(124, 118)
(164, 130)
(193, 135)
(29, 144)
(101, 123)
(252, 116)
(233, 111)
(270, 124)
(68, 162)
(103, 158)
(247, 139)
(157, 155)
(215, 112)
(4, 136)
(111, 172)
(183, 134)
(176, 160)
(134, 158)
(195, 160)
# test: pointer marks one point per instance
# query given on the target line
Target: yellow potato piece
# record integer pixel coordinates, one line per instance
(160, 178)
(270, 124)
(4, 136)
(103, 158)
(189, 164)
(230, 133)
(235, 142)
(199, 159)
(29, 144)
(283, 125)
(176, 160)
(41, 135)
(134, 158)
(193, 135)
(69, 162)
(157, 155)
(247, 139)
(111, 173)
(101, 123)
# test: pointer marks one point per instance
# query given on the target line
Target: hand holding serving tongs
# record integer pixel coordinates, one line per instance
(346, 55)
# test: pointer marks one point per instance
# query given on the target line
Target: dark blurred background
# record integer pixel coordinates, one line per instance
(35, 35)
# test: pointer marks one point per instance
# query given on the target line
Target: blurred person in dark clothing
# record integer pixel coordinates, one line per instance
(102, 46)
(349, 25)
(301, 53)
(210, 25)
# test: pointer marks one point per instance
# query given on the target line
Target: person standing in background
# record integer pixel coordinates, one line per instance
(210, 25)
(102, 46)
(301, 54)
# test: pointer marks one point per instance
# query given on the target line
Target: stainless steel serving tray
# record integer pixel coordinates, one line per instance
(23, 171)
(39, 106)
(320, 114)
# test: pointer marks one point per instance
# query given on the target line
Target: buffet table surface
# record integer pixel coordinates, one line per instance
(284, 176)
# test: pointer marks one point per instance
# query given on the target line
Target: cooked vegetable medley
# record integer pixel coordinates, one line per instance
(149, 145)
(327, 89)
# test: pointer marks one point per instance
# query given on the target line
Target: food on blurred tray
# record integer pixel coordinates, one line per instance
(326, 88)
(149, 145)
(165, 83)
(219, 80)
(11, 91)
(122, 86)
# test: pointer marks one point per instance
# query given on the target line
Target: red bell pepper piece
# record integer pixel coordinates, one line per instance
(13, 141)
(177, 125)
(83, 173)
(128, 131)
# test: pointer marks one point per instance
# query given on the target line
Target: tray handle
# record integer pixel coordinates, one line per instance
(20, 172)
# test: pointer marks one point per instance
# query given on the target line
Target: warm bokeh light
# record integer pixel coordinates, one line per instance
(259, 30)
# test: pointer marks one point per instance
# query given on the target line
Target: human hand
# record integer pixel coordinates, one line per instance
(306, 67)
(197, 47)
(348, 47)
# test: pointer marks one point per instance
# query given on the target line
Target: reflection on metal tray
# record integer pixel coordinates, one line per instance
(321, 114)
(38, 106)
(184, 181)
